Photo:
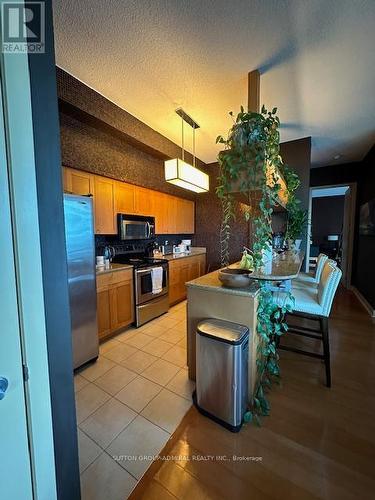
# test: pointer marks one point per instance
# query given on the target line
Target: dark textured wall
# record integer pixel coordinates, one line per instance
(88, 147)
(208, 221)
(327, 217)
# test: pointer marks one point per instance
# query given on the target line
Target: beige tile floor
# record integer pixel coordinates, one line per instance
(129, 403)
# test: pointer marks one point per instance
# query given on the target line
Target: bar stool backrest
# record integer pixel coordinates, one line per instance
(329, 281)
(321, 260)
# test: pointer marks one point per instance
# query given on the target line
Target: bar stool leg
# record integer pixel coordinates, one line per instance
(327, 361)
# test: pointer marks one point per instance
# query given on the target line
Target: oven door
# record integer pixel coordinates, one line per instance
(143, 285)
(134, 230)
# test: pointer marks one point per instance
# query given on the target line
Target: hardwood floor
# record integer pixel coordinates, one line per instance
(317, 442)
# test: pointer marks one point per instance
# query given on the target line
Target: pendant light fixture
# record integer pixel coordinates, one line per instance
(180, 173)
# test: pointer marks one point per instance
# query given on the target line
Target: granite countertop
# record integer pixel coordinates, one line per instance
(211, 282)
(112, 268)
(193, 251)
(119, 267)
(283, 267)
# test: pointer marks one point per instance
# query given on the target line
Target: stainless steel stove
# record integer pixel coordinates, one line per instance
(148, 305)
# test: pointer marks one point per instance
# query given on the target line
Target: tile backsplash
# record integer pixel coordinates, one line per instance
(101, 240)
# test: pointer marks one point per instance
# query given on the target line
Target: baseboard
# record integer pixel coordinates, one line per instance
(363, 301)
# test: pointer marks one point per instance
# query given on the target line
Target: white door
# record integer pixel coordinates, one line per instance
(14, 448)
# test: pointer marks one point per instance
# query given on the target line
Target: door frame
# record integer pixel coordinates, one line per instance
(352, 199)
(18, 121)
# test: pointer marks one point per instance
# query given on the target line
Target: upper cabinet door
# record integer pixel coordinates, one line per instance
(184, 216)
(124, 198)
(104, 198)
(159, 211)
(172, 215)
(78, 182)
(143, 203)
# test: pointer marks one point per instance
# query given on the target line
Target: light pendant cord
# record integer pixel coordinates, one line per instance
(193, 146)
(182, 140)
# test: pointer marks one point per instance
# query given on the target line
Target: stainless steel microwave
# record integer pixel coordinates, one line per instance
(135, 227)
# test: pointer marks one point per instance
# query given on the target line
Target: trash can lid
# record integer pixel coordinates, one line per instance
(223, 331)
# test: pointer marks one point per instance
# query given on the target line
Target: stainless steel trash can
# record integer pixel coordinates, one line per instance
(222, 351)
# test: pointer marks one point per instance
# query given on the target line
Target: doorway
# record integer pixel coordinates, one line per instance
(331, 226)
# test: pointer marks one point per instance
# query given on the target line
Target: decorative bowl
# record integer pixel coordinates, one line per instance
(235, 277)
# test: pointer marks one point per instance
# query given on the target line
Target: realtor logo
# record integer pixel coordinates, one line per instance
(23, 27)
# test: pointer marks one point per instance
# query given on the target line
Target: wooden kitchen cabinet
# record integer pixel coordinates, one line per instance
(185, 216)
(143, 202)
(124, 198)
(78, 182)
(104, 203)
(183, 270)
(121, 302)
(103, 313)
(171, 221)
(115, 306)
(159, 209)
(173, 215)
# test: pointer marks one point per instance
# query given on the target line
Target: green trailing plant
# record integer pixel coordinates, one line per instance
(271, 324)
(296, 217)
(296, 223)
(252, 146)
(227, 217)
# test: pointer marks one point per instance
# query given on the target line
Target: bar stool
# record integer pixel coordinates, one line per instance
(314, 303)
(304, 283)
(313, 277)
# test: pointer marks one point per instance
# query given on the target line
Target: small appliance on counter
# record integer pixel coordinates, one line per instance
(104, 261)
(183, 247)
(187, 244)
(177, 249)
(167, 248)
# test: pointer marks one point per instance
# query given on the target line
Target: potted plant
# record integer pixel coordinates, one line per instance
(296, 226)
(252, 153)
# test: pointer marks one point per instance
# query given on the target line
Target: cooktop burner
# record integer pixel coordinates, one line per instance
(136, 261)
(139, 262)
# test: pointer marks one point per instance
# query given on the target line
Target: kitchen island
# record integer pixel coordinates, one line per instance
(209, 298)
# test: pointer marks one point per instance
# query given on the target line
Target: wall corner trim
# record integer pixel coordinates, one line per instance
(363, 301)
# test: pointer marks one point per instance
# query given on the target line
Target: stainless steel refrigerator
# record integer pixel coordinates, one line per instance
(80, 246)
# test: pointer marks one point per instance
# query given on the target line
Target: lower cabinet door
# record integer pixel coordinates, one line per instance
(103, 313)
(181, 271)
(121, 305)
(194, 269)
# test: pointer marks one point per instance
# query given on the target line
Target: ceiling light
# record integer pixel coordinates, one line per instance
(182, 174)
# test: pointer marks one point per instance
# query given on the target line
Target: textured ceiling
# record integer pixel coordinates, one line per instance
(316, 57)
